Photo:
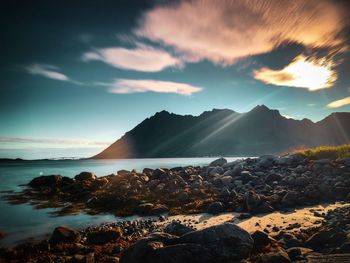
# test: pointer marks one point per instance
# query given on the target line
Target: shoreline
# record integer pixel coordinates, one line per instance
(109, 242)
(256, 195)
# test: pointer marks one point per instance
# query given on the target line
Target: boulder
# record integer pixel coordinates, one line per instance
(218, 162)
(45, 180)
(252, 201)
(160, 174)
(123, 172)
(104, 236)
(266, 161)
(144, 208)
(226, 242)
(221, 243)
(177, 229)
(215, 208)
(64, 234)
(226, 180)
(159, 209)
(277, 255)
(296, 252)
(261, 238)
(143, 250)
(85, 176)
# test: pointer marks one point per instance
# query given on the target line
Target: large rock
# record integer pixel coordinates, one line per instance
(177, 229)
(261, 238)
(266, 161)
(215, 208)
(160, 174)
(226, 241)
(45, 180)
(104, 236)
(218, 162)
(252, 201)
(221, 243)
(85, 176)
(277, 255)
(64, 234)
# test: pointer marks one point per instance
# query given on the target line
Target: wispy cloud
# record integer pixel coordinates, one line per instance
(339, 103)
(300, 73)
(125, 86)
(51, 72)
(141, 58)
(225, 31)
(48, 71)
(50, 141)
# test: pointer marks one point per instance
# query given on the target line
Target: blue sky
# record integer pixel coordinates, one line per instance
(76, 76)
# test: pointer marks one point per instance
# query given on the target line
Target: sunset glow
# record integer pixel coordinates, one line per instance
(301, 73)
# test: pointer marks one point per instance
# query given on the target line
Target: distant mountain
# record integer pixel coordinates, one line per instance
(226, 133)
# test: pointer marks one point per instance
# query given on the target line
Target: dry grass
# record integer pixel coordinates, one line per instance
(329, 152)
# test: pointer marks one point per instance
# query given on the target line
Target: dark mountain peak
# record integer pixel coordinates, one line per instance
(261, 108)
(214, 112)
(226, 133)
(162, 113)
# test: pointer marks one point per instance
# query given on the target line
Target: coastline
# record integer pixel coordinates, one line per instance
(258, 195)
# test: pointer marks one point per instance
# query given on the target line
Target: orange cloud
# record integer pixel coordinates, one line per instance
(224, 31)
(300, 73)
(124, 86)
(339, 103)
(142, 58)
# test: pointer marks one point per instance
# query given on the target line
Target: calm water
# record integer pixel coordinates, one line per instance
(22, 221)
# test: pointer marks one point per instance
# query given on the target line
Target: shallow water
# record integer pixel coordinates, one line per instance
(22, 221)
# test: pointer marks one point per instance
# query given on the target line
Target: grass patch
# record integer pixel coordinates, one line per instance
(329, 152)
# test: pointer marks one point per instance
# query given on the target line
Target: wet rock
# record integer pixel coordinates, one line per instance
(296, 252)
(218, 162)
(159, 209)
(261, 238)
(278, 255)
(266, 161)
(325, 237)
(160, 174)
(144, 208)
(225, 180)
(215, 208)
(216, 170)
(64, 234)
(104, 236)
(226, 241)
(123, 172)
(252, 201)
(85, 176)
(177, 229)
(45, 180)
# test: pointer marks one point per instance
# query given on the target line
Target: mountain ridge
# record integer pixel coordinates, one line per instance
(226, 132)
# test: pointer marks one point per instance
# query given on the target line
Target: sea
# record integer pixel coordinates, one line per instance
(23, 222)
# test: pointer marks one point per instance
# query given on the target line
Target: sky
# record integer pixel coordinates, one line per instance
(76, 75)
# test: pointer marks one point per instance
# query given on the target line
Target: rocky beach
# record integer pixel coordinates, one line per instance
(223, 212)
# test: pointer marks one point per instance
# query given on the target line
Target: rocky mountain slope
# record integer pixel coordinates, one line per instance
(227, 133)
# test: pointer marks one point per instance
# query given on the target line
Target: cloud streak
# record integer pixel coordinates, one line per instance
(301, 73)
(84, 142)
(48, 71)
(142, 58)
(227, 31)
(126, 86)
(339, 103)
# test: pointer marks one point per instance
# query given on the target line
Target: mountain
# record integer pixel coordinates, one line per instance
(223, 132)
